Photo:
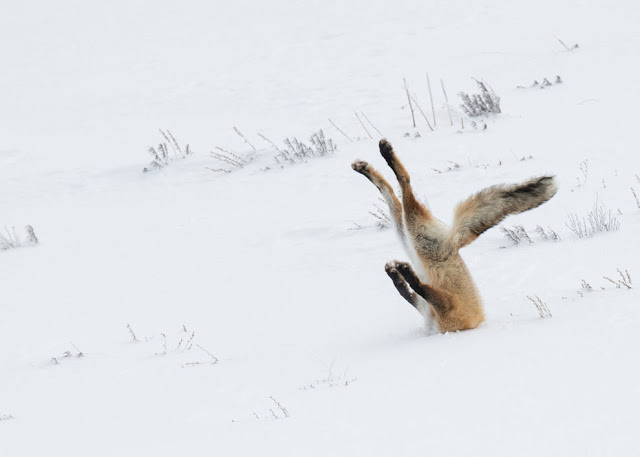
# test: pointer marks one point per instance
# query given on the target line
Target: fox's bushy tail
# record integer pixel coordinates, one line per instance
(488, 207)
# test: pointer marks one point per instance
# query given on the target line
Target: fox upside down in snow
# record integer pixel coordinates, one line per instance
(450, 297)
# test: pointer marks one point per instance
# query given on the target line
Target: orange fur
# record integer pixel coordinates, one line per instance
(443, 288)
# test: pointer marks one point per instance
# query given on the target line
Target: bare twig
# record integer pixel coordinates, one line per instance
(570, 49)
(166, 137)
(190, 340)
(164, 344)
(244, 138)
(422, 112)
(133, 335)
(175, 143)
(362, 124)
(636, 197)
(433, 110)
(371, 123)
(541, 306)
(280, 407)
(413, 116)
(213, 357)
(340, 130)
(79, 354)
(270, 142)
(217, 170)
(446, 99)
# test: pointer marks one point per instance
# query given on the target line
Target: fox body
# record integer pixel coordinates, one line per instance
(442, 290)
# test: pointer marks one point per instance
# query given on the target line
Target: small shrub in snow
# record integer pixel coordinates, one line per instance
(516, 235)
(541, 306)
(584, 172)
(331, 379)
(585, 285)
(382, 220)
(185, 343)
(381, 216)
(281, 408)
(294, 151)
(9, 239)
(67, 354)
(454, 166)
(545, 83)
(161, 155)
(6, 417)
(486, 102)
(276, 411)
(550, 235)
(297, 151)
(624, 281)
(598, 220)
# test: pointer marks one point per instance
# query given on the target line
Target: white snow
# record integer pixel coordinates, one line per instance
(302, 345)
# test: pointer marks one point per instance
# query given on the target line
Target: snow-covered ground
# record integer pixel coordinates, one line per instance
(264, 320)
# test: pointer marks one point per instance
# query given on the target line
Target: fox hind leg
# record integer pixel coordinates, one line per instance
(418, 302)
(438, 299)
(415, 212)
(401, 285)
(395, 207)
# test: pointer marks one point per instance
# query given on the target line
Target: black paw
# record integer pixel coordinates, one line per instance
(405, 269)
(386, 150)
(390, 268)
(394, 274)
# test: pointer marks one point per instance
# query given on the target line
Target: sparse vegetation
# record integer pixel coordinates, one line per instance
(281, 408)
(585, 285)
(584, 173)
(134, 339)
(566, 47)
(9, 238)
(518, 234)
(331, 379)
(454, 166)
(230, 158)
(545, 83)
(484, 103)
(550, 235)
(598, 220)
(185, 343)
(541, 306)
(67, 354)
(294, 151)
(297, 151)
(161, 156)
(380, 214)
(624, 281)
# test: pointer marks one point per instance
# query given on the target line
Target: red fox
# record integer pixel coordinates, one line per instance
(442, 290)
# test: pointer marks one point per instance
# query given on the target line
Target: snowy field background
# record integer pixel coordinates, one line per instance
(266, 324)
